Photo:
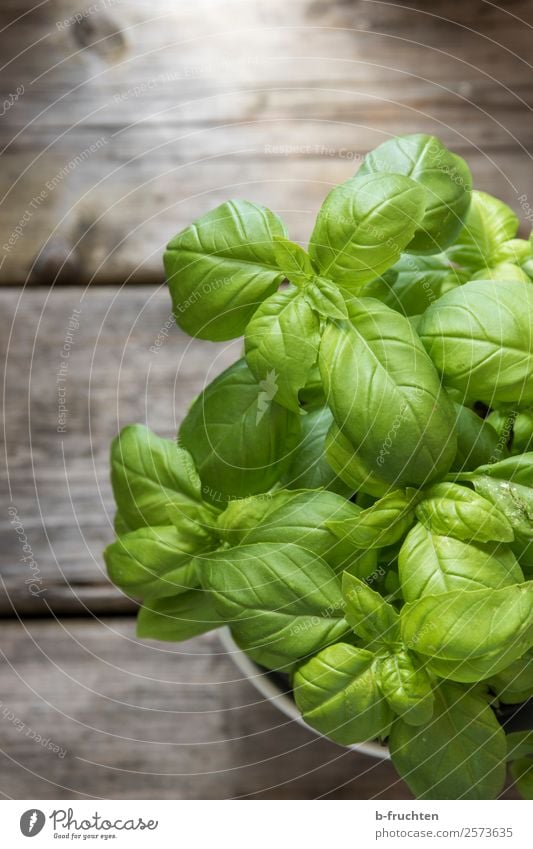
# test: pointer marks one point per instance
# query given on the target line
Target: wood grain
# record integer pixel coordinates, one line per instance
(155, 721)
(276, 103)
(59, 482)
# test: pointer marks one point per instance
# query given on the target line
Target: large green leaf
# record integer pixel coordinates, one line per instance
(430, 564)
(241, 440)
(458, 754)
(148, 474)
(277, 597)
(452, 510)
(363, 226)
(468, 636)
(221, 267)
(337, 693)
(480, 337)
(282, 340)
(396, 415)
(152, 562)
(444, 176)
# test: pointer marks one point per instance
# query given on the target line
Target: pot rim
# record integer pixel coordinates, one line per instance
(264, 684)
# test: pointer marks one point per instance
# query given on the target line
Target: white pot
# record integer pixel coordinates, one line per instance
(267, 685)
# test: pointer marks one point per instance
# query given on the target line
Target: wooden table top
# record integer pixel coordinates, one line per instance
(128, 123)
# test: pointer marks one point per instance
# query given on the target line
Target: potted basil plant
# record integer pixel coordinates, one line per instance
(353, 498)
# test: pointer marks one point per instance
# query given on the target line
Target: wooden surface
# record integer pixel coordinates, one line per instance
(273, 101)
(129, 123)
(59, 482)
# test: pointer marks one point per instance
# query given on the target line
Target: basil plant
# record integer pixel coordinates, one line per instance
(353, 497)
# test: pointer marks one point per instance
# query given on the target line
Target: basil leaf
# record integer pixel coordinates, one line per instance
(292, 260)
(148, 474)
(152, 562)
(309, 468)
(221, 267)
(363, 225)
(479, 337)
(458, 754)
(415, 282)
(430, 564)
(477, 441)
(444, 176)
(519, 470)
(338, 695)
(179, 617)
(404, 428)
(326, 299)
(350, 467)
(277, 597)
(514, 684)
(468, 636)
(514, 500)
(452, 510)
(407, 687)
(522, 773)
(364, 565)
(281, 344)
(489, 224)
(240, 439)
(371, 617)
(382, 524)
(303, 520)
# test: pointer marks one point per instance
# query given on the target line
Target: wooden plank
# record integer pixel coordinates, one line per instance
(183, 110)
(155, 721)
(106, 231)
(59, 480)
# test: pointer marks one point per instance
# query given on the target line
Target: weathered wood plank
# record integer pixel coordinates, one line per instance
(155, 721)
(59, 480)
(183, 112)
